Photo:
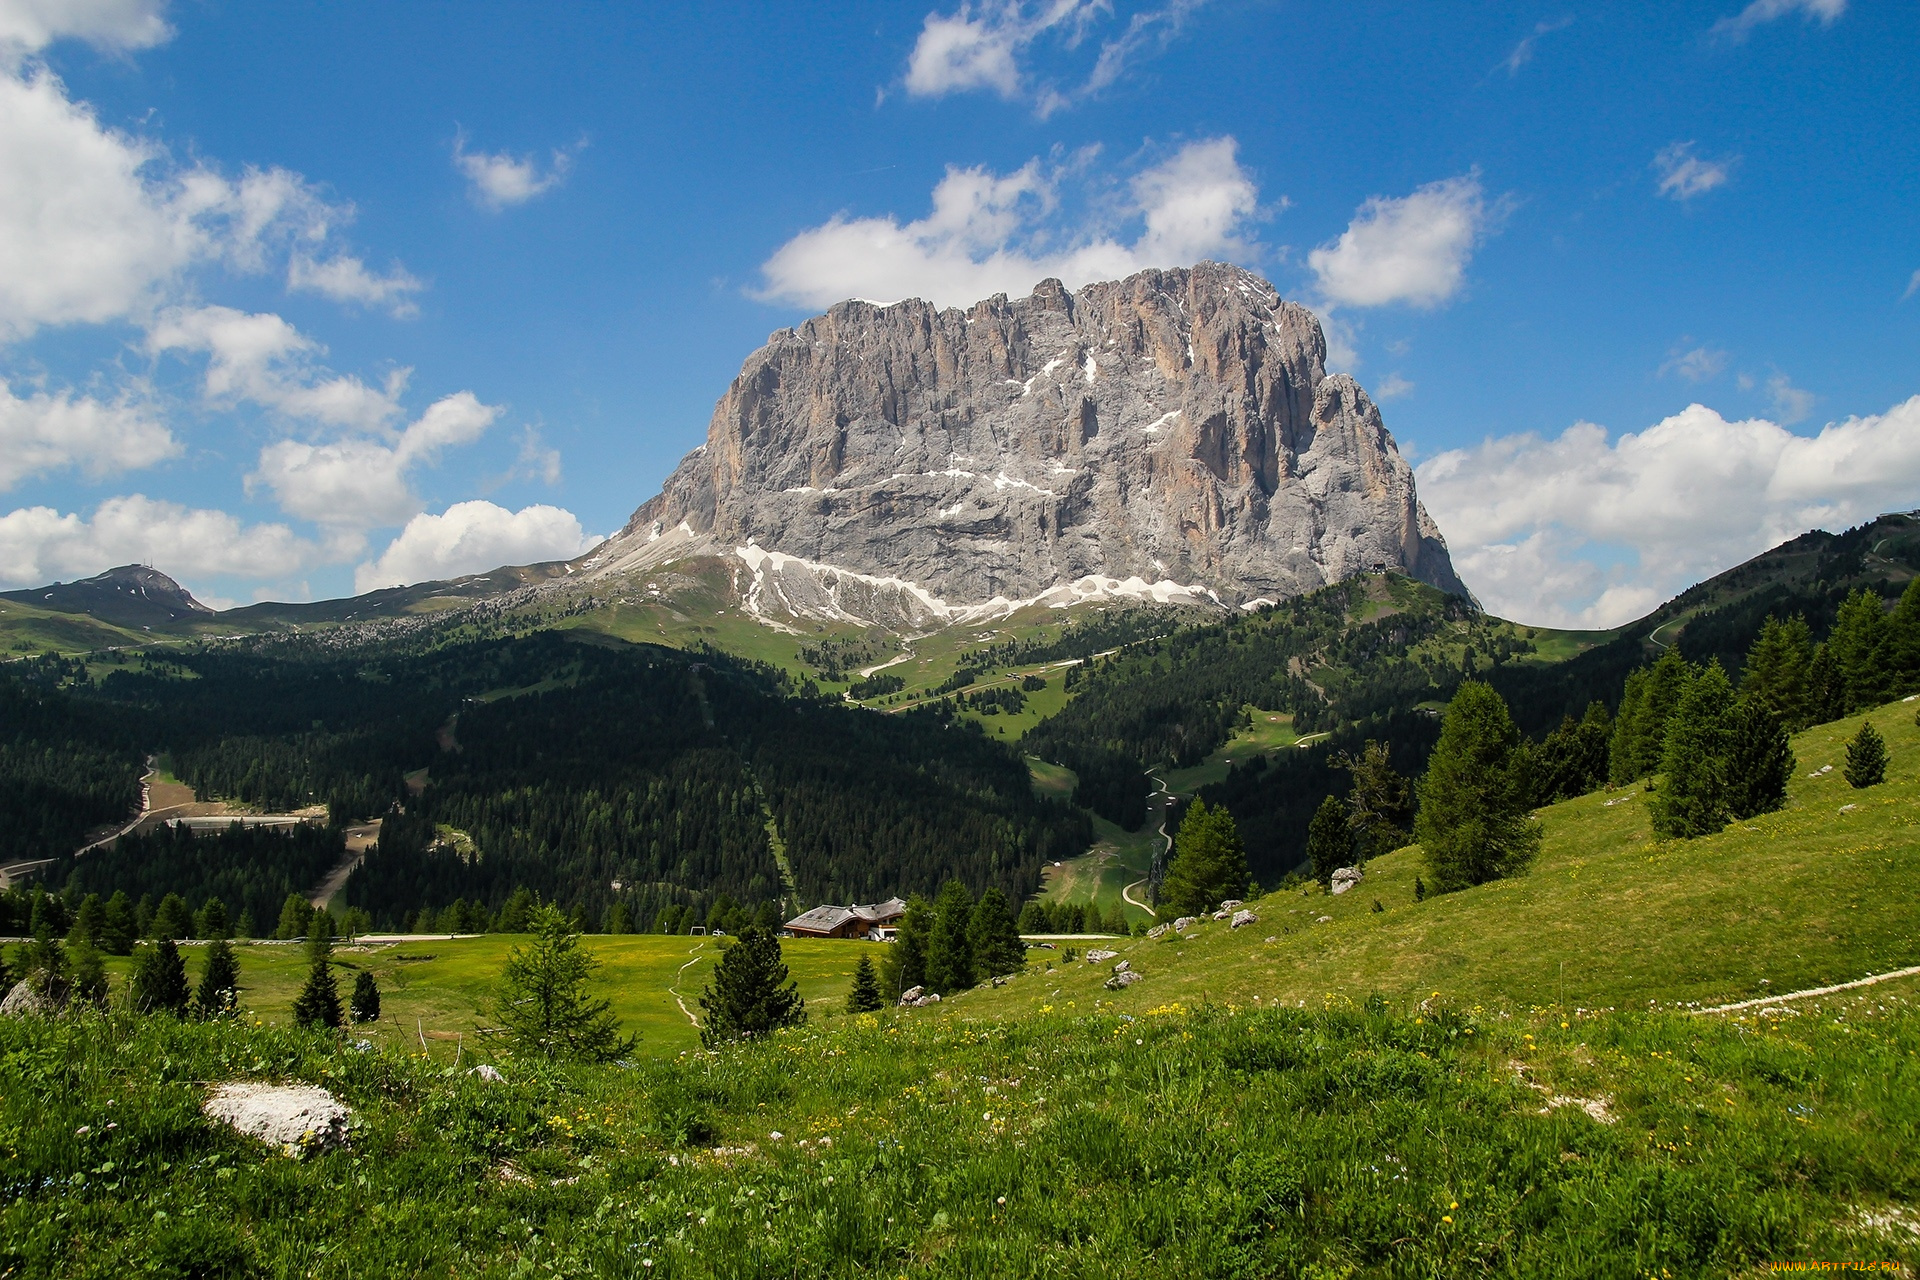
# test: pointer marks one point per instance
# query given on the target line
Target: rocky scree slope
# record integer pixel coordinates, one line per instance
(1171, 436)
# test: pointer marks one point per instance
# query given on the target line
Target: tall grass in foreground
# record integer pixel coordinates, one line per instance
(1208, 1142)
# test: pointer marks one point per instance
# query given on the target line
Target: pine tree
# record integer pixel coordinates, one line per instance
(210, 921)
(1759, 760)
(950, 964)
(542, 997)
(1033, 918)
(1693, 798)
(172, 919)
(1867, 757)
(296, 915)
(1777, 671)
(318, 1004)
(905, 964)
(1209, 862)
(1826, 688)
(218, 994)
(1419, 889)
(1858, 643)
(118, 928)
(1903, 641)
(89, 975)
(1640, 730)
(618, 921)
(1380, 803)
(44, 963)
(89, 923)
(243, 927)
(365, 1004)
(750, 995)
(995, 938)
(865, 995)
(1474, 824)
(1329, 840)
(160, 980)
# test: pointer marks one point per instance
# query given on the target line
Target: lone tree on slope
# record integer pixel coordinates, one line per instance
(1473, 824)
(365, 1003)
(1693, 800)
(1329, 840)
(542, 998)
(995, 937)
(865, 996)
(160, 980)
(219, 991)
(750, 995)
(1209, 862)
(1867, 757)
(318, 1004)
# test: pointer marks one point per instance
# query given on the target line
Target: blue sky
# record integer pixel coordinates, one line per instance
(307, 297)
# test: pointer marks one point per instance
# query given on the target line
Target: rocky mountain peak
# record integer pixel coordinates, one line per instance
(1174, 434)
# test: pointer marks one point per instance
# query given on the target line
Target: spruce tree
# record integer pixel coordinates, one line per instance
(1693, 799)
(1379, 804)
(1867, 757)
(542, 999)
(44, 965)
(950, 965)
(89, 923)
(118, 927)
(210, 921)
(160, 980)
(905, 964)
(1033, 918)
(1474, 824)
(218, 994)
(1329, 840)
(1777, 671)
(1858, 643)
(89, 975)
(172, 919)
(995, 938)
(1826, 688)
(1759, 760)
(750, 995)
(296, 915)
(865, 995)
(318, 1004)
(618, 921)
(365, 1004)
(1640, 731)
(1209, 862)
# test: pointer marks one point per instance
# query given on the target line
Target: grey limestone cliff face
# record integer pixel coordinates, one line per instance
(1175, 427)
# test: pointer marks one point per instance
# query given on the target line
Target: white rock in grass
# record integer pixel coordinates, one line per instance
(1096, 956)
(299, 1119)
(489, 1073)
(1345, 878)
(24, 1002)
(1244, 917)
(1125, 978)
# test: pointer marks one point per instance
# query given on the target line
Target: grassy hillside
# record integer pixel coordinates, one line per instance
(1822, 892)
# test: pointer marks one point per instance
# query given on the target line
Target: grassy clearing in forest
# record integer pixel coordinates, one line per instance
(440, 987)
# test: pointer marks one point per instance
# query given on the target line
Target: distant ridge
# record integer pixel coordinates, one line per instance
(130, 596)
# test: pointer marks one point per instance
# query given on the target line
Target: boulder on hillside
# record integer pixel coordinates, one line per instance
(1096, 956)
(1345, 878)
(24, 1002)
(910, 995)
(1244, 917)
(1158, 930)
(299, 1119)
(1124, 978)
(1181, 925)
(1231, 905)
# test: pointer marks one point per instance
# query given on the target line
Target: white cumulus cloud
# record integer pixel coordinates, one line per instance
(1740, 25)
(1683, 175)
(500, 178)
(360, 482)
(116, 26)
(1587, 530)
(1411, 249)
(983, 46)
(259, 357)
(990, 233)
(40, 544)
(345, 278)
(97, 225)
(472, 537)
(48, 432)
